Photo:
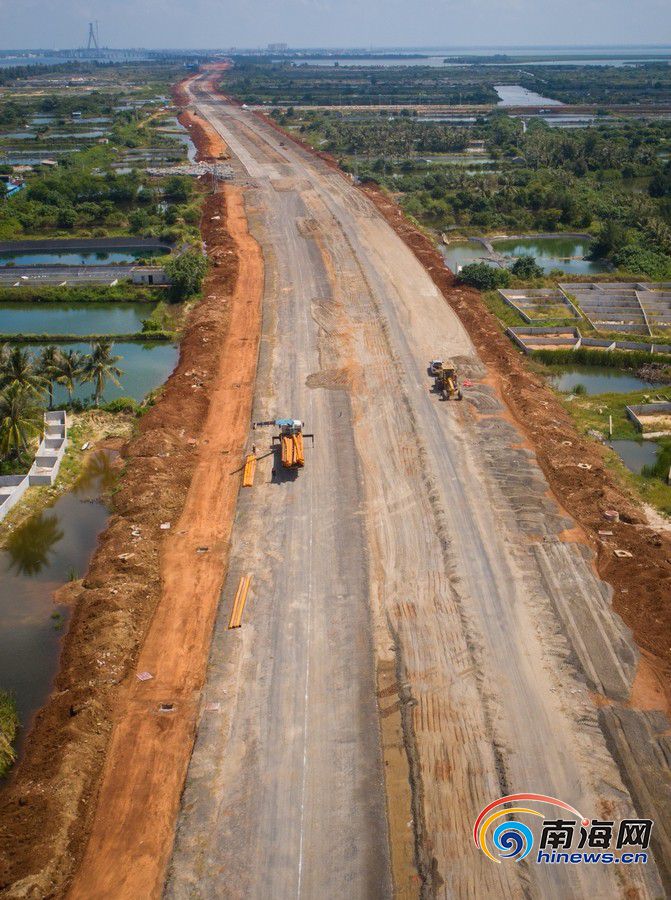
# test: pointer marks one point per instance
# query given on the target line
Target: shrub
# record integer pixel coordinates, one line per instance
(186, 273)
(484, 277)
(121, 404)
(526, 267)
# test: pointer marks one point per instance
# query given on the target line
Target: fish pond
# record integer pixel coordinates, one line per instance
(597, 380)
(73, 318)
(144, 368)
(102, 257)
(555, 252)
(46, 551)
(636, 454)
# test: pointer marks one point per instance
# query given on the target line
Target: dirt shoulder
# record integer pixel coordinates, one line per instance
(137, 603)
(150, 750)
(642, 582)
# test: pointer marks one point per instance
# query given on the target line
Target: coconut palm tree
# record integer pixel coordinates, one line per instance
(68, 369)
(100, 367)
(19, 371)
(46, 366)
(20, 419)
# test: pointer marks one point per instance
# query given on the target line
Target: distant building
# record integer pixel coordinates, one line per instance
(149, 275)
(9, 186)
(278, 48)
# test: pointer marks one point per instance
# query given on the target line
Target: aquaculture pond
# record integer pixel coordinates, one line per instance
(144, 366)
(73, 318)
(461, 253)
(636, 454)
(598, 380)
(558, 252)
(516, 95)
(563, 253)
(49, 549)
(79, 257)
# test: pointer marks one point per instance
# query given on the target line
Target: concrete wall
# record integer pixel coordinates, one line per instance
(44, 469)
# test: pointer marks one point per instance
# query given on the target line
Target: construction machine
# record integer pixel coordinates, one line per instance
(291, 440)
(446, 380)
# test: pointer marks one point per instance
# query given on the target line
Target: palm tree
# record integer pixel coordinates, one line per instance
(68, 368)
(46, 367)
(20, 419)
(19, 371)
(101, 366)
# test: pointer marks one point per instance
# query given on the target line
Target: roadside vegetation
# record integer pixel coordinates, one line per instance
(610, 182)
(27, 382)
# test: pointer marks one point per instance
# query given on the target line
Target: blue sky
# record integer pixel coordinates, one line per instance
(250, 23)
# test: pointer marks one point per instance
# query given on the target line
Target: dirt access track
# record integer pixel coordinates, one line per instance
(147, 604)
(419, 556)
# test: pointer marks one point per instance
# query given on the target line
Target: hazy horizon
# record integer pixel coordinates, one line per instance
(334, 24)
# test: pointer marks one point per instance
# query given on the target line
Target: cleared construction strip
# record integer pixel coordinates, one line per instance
(137, 804)
(239, 603)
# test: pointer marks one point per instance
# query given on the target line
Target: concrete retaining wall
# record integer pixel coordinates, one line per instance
(660, 408)
(44, 469)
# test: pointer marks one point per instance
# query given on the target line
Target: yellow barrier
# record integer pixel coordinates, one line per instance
(250, 470)
(239, 602)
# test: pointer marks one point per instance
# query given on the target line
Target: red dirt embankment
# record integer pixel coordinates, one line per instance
(146, 603)
(642, 583)
(208, 141)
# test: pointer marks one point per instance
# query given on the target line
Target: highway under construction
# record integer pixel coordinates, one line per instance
(422, 632)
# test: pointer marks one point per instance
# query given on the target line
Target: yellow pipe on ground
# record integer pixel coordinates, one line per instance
(239, 602)
(250, 471)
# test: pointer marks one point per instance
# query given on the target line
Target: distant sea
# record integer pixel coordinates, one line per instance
(422, 56)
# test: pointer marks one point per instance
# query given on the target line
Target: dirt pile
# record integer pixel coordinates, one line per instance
(642, 581)
(46, 810)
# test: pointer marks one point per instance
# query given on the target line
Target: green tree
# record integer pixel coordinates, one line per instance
(46, 366)
(101, 366)
(484, 277)
(68, 368)
(526, 267)
(19, 370)
(186, 273)
(20, 420)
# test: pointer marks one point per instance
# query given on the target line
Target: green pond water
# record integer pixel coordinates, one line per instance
(79, 258)
(144, 366)
(49, 549)
(549, 253)
(597, 380)
(554, 253)
(73, 318)
(635, 454)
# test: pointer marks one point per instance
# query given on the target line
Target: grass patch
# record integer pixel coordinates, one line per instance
(510, 318)
(9, 725)
(90, 293)
(618, 359)
(145, 337)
